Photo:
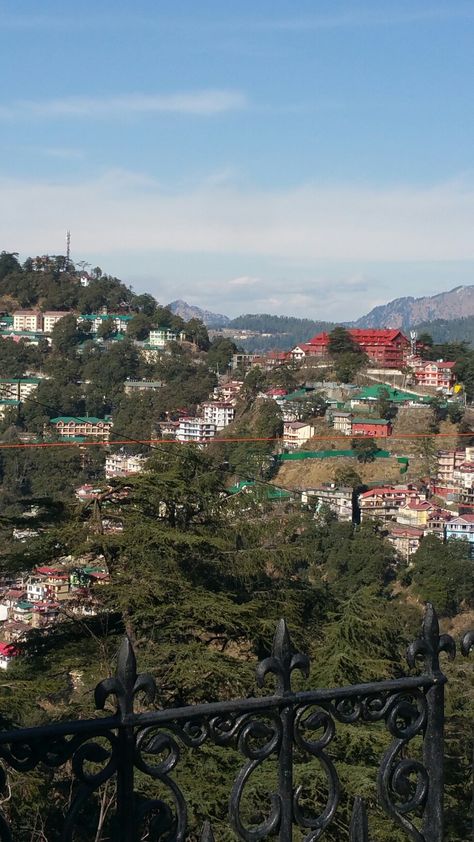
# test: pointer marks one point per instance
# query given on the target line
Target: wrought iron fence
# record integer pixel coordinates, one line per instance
(410, 790)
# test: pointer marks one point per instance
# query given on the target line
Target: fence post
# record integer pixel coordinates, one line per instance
(429, 646)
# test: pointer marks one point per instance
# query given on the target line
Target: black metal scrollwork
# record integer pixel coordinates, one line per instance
(264, 729)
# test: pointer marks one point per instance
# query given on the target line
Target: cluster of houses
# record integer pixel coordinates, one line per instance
(34, 325)
(43, 598)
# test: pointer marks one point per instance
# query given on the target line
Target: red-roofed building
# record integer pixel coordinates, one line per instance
(387, 348)
(383, 503)
(405, 539)
(7, 652)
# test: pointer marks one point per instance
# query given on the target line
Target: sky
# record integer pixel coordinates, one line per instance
(303, 157)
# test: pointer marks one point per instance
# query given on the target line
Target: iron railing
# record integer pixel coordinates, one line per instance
(410, 790)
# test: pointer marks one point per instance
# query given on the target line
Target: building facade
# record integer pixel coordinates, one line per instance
(219, 413)
(195, 430)
(70, 427)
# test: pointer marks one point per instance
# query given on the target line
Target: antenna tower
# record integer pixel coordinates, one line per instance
(413, 338)
(68, 249)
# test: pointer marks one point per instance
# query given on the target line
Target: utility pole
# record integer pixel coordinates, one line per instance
(68, 249)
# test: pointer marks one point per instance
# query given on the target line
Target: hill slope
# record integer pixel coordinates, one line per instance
(406, 312)
(190, 311)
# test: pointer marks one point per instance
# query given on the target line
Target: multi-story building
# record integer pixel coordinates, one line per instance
(241, 360)
(437, 374)
(218, 413)
(385, 348)
(120, 320)
(52, 317)
(383, 503)
(296, 433)
(415, 513)
(448, 462)
(195, 430)
(160, 336)
(341, 421)
(17, 389)
(405, 539)
(28, 320)
(339, 499)
(228, 392)
(462, 527)
(123, 464)
(71, 427)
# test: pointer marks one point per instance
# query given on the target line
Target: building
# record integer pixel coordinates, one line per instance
(6, 404)
(17, 389)
(462, 527)
(131, 387)
(160, 336)
(195, 430)
(435, 374)
(339, 499)
(383, 503)
(51, 317)
(415, 513)
(219, 413)
(70, 427)
(449, 461)
(387, 348)
(7, 653)
(341, 421)
(242, 360)
(120, 320)
(123, 464)
(228, 392)
(375, 427)
(369, 396)
(405, 539)
(28, 320)
(296, 433)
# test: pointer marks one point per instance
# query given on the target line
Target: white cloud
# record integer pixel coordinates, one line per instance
(244, 281)
(198, 103)
(124, 213)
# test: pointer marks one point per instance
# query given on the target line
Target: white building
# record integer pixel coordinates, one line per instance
(122, 464)
(338, 498)
(195, 429)
(219, 413)
(161, 335)
(17, 389)
(296, 433)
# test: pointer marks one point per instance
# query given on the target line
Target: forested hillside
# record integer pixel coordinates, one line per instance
(195, 566)
(449, 330)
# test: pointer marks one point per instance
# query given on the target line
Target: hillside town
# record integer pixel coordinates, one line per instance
(322, 420)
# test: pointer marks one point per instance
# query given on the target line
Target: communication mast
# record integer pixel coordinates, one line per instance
(68, 249)
(413, 338)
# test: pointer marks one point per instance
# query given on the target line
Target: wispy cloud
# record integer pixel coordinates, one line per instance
(131, 212)
(198, 103)
(244, 281)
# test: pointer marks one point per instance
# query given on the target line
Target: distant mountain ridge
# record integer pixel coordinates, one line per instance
(190, 311)
(406, 312)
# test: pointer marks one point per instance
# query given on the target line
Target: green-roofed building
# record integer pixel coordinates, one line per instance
(371, 394)
(72, 427)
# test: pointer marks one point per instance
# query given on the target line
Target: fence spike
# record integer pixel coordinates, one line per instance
(207, 834)
(359, 829)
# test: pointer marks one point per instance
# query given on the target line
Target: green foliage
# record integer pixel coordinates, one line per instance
(220, 353)
(443, 574)
(366, 448)
(107, 328)
(341, 342)
(139, 326)
(347, 476)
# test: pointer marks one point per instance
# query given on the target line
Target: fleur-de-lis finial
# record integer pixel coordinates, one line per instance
(126, 683)
(282, 661)
(431, 643)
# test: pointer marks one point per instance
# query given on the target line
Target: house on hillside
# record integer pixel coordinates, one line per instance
(462, 527)
(437, 374)
(7, 653)
(28, 320)
(296, 433)
(341, 421)
(131, 387)
(373, 427)
(405, 539)
(338, 498)
(52, 317)
(18, 388)
(195, 430)
(71, 427)
(384, 502)
(386, 348)
(219, 413)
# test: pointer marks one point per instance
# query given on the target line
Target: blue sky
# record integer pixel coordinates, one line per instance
(313, 158)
